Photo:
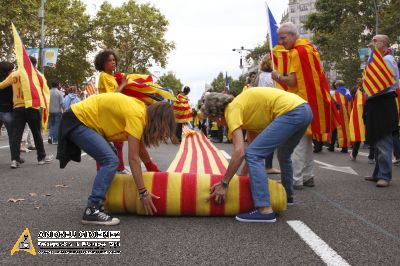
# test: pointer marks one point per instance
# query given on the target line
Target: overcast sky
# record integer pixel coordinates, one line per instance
(205, 32)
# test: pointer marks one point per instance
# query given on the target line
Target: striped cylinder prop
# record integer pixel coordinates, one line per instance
(185, 194)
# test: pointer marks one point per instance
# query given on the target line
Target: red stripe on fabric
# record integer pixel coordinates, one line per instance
(188, 194)
(206, 160)
(310, 87)
(378, 74)
(218, 161)
(193, 163)
(245, 198)
(386, 70)
(181, 108)
(183, 116)
(41, 82)
(28, 69)
(376, 87)
(369, 90)
(159, 188)
(383, 71)
(181, 163)
(216, 209)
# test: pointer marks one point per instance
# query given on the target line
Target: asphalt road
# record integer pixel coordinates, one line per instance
(349, 220)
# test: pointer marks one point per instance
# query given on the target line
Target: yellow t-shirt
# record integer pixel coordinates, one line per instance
(112, 115)
(14, 80)
(255, 109)
(107, 83)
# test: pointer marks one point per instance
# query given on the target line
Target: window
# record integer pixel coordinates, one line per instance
(292, 9)
(303, 7)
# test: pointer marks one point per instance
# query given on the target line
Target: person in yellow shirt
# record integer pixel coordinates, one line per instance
(89, 125)
(280, 118)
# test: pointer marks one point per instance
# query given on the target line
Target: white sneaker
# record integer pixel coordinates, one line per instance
(124, 172)
(46, 159)
(14, 164)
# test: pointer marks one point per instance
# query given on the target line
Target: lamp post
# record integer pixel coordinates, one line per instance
(41, 46)
(240, 51)
(376, 6)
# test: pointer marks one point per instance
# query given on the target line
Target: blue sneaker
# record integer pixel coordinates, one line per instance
(256, 217)
(290, 201)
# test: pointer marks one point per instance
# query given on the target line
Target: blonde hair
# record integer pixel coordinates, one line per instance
(160, 125)
(215, 104)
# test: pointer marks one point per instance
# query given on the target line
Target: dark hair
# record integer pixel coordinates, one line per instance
(160, 125)
(252, 73)
(5, 68)
(54, 84)
(33, 60)
(186, 90)
(101, 59)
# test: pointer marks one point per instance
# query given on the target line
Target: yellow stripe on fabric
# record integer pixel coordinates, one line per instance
(174, 163)
(115, 196)
(214, 167)
(202, 192)
(232, 204)
(130, 193)
(174, 194)
(148, 183)
(200, 158)
(189, 157)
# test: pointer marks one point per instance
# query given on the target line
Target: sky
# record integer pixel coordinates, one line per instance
(205, 32)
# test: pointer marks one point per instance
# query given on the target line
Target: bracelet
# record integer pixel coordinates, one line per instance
(143, 195)
(224, 183)
(143, 188)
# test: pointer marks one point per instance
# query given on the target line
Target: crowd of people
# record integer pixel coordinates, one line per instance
(295, 123)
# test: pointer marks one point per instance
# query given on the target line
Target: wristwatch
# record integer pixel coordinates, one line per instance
(224, 183)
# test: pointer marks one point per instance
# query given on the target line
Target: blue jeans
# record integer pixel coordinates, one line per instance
(283, 134)
(97, 147)
(54, 124)
(383, 158)
(7, 118)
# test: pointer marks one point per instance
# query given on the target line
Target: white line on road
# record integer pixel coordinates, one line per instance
(225, 154)
(326, 253)
(343, 169)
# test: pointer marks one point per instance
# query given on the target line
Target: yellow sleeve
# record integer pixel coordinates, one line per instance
(7, 82)
(234, 119)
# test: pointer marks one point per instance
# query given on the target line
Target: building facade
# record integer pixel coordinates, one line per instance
(297, 13)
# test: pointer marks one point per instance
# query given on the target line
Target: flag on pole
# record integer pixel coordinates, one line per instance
(377, 75)
(272, 28)
(33, 84)
(226, 83)
(90, 87)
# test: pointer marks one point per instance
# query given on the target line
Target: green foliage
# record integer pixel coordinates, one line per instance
(136, 32)
(259, 51)
(235, 86)
(170, 81)
(341, 28)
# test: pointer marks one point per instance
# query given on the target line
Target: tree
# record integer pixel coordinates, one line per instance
(67, 27)
(136, 32)
(340, 29)
(170, 81)
(259, 51)
(235, 86)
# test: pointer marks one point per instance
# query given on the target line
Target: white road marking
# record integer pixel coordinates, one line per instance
(322, 249)
(343, 169)
(83, 154)
(225, 154)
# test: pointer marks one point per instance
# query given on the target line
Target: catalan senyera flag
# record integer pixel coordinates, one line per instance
(142, 87)
(182, 110)
(343, 130)
(90, 87)
(377, 75)
(33, 83)
(313, 87)
(184, 188)
(357, 126)
(281, 63)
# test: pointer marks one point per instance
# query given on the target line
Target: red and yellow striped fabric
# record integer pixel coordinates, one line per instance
(357, 126)
(313, 87)
(343, 130)
(143, 88)
(377, 75)
(184, 188)
(33, 83)
(182, 110)
(281, 63)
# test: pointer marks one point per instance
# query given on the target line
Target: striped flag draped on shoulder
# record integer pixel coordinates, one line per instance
(357, 126)
(343, 130)
(377, 75)
(33, 83)
(182, 110)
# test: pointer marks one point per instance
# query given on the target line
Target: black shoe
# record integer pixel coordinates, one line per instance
(93, 215)
(309, 182)
(290, 201)
(344, 150)
(49, 141)
(20, 160)
(216, 140)
(331, 149)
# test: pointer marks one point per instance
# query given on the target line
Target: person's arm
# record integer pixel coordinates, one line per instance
(146, 197)
(123, 83)
(146, 159)
(7, 82)
(289, 80)
(218, 191)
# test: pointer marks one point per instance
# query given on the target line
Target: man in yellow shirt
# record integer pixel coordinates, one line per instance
(22, 116)
(280, 119)
(89, 125)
